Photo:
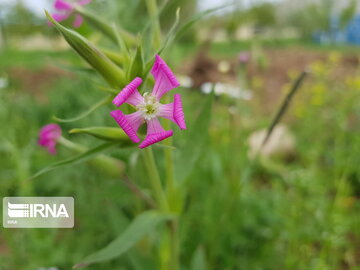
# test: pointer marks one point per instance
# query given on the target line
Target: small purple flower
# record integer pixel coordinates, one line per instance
(66, 9)
(244, 57)
(148, 106)
(48, 137)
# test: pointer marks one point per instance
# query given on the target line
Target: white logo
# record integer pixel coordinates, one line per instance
(38, 212)
(24, 210)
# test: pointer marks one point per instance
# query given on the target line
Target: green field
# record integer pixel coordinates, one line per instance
(297, 213)
(215, 196)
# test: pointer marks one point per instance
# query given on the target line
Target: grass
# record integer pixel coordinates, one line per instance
(294, 213)
(229, 49)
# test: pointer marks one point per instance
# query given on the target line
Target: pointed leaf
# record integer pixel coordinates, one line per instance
(169, 39)
(104, 27)
(113, 74)
(104, 133)
(196, 18)
(152, 19)
(75, 160)
(102, 102)
(171, 35)
(114, 56)
(140, 227)
(137, 65)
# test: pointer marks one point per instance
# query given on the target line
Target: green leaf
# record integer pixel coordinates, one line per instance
(102, 102)
(197, 17)
(104, 133)
(199, 260)
(105, 28)
(137, 65)
(196, 143)
(114, 56)
(85, 156)
(124, 48)
(140, 227)
(171, 35)
(152, 19)
(113, 74)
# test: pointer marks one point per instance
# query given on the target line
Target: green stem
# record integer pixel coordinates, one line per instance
(174, 259)
(169, 168)
(169, 161)
(153, 12)
(163, 203)
(155, 179)
(70, 145)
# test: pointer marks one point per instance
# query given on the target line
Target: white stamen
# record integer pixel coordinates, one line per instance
(149, 108)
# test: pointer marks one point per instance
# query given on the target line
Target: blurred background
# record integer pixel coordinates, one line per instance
(299, 210)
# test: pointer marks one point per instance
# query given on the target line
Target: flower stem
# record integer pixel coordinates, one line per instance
(169, 168)
(170, 189)
(155, 179)
(163, 202)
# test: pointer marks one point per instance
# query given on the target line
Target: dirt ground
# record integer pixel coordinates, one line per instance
(273, 75)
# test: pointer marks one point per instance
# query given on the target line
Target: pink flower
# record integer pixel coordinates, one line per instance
(48, 137)
(66, 9)
(244, 57)
(148, 106)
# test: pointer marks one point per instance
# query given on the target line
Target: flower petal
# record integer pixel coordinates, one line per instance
(178, 112)
(154, 138)
(174, 112)
(167, 111)
(51, 148)
(129, 94)
(78, 21)
(155, 133)
(50, 131)
(59, 17)
(48, 137)
(129, 123)
(165, 79)
(63, 5)
(135, 119)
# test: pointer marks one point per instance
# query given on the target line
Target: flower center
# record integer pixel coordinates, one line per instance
(149, 108)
